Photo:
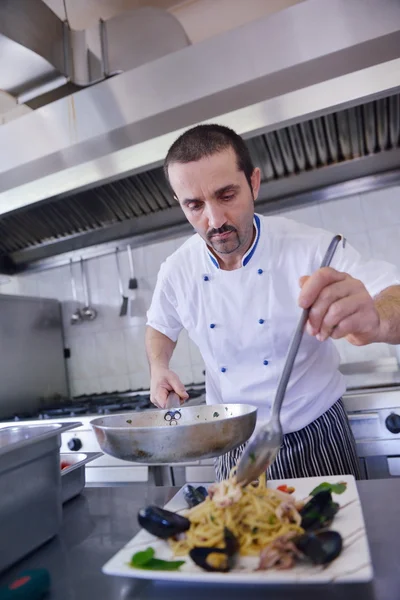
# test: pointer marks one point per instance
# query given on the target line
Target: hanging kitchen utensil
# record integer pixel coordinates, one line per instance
(88, 312)
(125, 300)
(133, 282)
(76, 316)
(261, 452)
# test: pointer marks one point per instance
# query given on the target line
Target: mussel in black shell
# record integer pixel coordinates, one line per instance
(321, 547)
(318, 513)
(217, 559)
(162, 523)
(194, 496)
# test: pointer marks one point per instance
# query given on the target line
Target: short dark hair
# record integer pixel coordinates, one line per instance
(205, 140)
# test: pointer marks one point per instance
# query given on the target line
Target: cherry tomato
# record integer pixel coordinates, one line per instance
(286, 489)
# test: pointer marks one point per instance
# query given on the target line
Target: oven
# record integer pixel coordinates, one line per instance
(374, 415)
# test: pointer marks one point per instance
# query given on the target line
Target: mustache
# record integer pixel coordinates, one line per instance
(223, 229)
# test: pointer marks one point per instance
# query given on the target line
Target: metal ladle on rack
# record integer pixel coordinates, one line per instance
(88, 312)
(124, 299)
(76, 316)
(261, 452)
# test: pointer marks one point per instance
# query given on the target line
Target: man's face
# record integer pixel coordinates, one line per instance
(217, 200)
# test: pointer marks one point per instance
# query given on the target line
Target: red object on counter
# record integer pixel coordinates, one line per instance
(286, 489)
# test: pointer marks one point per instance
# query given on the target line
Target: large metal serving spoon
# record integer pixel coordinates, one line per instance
(76, 316)
(125, 300)
(88, 312)
(261, 452)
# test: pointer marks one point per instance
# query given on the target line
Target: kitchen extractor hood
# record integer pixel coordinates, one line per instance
(40, 53)
(314, 89)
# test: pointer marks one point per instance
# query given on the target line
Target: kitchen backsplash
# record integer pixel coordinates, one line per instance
(108, 353)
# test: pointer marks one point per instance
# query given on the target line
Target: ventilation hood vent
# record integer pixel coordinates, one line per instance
(314, 90)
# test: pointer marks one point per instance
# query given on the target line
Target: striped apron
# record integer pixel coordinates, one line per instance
(325, 447)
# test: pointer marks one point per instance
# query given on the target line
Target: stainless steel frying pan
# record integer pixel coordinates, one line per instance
(175, 435)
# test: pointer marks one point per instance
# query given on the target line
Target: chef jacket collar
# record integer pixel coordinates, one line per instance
(247, 257)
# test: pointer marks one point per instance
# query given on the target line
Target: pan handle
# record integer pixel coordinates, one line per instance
(173, 401)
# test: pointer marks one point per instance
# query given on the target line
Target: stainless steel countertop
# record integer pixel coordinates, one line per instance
(99, 522)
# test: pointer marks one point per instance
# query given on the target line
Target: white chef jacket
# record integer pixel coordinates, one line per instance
(242, 320)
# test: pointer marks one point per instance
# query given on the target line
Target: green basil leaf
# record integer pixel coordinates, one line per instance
(145, 560)
(334, 488)
(156, 564)
(142, 558)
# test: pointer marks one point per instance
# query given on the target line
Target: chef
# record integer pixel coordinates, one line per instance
(238, 287)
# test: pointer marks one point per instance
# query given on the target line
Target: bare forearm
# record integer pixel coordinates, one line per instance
(159, 348)
(387, 303)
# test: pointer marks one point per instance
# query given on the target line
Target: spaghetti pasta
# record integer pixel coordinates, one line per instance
(256, 515)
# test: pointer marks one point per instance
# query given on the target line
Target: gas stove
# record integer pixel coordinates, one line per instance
(86, 408)
(91, 406)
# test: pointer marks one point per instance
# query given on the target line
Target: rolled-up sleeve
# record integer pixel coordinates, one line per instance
(162, 314)
(375, 274)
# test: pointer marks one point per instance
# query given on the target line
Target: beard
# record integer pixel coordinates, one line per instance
(224, 245)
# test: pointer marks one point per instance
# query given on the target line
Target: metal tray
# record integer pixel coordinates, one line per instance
(73, 478)
(30, 488)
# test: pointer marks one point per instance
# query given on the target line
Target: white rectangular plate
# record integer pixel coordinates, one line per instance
(353, 564)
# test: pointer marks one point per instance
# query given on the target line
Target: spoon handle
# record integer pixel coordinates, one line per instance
(84, 283)
(297, 337)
